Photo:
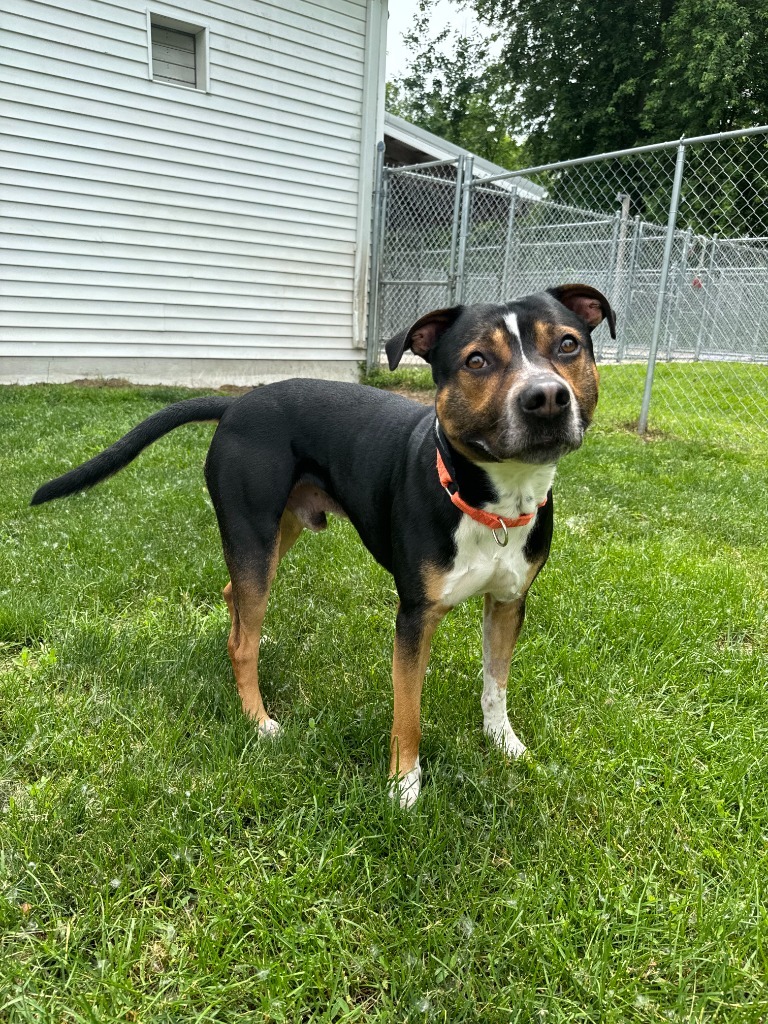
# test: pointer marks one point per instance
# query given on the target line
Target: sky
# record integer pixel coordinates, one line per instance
(401, 17)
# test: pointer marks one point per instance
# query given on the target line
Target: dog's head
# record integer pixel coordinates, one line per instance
(516, 381)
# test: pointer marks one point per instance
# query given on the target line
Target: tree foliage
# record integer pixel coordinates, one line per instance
(601, 75)
(583, 70)
(453, 88)
(713, 75)
(575, 79)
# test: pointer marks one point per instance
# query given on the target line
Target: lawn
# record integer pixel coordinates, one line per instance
(158, 863)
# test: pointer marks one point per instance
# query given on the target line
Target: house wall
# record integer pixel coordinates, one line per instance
(161, 233)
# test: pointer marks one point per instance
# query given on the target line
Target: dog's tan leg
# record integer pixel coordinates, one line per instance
(290, 528)
(247, 606)
(413, 636)
(502, 622)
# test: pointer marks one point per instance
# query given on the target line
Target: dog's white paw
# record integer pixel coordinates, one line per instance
(505, 738)
(405, 789)
(268, 728)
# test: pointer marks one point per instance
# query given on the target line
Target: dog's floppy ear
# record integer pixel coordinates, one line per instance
(422, 336)
(579, 297)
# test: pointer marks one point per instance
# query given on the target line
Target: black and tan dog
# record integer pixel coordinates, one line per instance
(453, 505)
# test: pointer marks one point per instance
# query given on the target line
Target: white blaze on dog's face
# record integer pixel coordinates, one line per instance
(542, 391)
(516, 382)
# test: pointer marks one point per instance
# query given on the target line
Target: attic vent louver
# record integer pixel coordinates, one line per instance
(178, 52)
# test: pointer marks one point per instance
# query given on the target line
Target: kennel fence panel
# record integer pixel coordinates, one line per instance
(418, 220)
(686, 268)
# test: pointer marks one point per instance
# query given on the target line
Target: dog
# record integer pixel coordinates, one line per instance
(454, 502)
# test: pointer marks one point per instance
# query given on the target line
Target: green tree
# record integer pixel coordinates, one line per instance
(462, 95)
(582, 79)
(583, 71)
(601, 75)
(713, 75)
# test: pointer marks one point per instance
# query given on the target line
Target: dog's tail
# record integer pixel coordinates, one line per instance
(128, 447)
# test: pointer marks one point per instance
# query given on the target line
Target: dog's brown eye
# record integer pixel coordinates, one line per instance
(569, 345)
(476, 361)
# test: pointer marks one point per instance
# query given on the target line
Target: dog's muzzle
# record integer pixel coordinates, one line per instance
(543, 421)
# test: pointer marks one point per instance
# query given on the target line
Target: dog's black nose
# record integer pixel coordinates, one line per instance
(545, 397)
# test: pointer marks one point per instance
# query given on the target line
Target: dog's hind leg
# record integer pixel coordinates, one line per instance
(247, 603)
(246, 596)
(249, 482)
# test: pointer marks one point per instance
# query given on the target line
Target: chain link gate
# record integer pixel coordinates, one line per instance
(675, 234)
(417, 212)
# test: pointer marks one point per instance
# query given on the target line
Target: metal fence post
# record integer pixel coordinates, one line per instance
(678, 284)
(507, 265)
(618, 280)
(455, 230)
(377, 246)
(670, 307)
(466, 203)
(674, 203)
(613, 260)
(611, 273)
(709, 288)
(628, 292)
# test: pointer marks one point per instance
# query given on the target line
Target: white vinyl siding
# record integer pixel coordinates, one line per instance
(143, 220)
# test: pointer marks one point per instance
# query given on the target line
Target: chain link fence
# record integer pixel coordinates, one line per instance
(418, 246)
(676, 235)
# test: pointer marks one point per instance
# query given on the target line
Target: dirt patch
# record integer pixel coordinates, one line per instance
(121, 382)
(104, 382)
(236, 389)
(651, 434)
(741, 642)
(424, 397)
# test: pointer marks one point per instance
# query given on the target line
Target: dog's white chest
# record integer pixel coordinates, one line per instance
(481, 566)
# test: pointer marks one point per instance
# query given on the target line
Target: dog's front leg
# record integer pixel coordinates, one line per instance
(413, 636)
(502, 621)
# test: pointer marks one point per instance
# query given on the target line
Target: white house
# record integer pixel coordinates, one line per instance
(187, 189)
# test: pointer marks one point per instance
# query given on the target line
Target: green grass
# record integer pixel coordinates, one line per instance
(158, 863)
(405, 378)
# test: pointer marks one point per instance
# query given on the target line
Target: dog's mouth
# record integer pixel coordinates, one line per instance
(536, 454)
(521, 444)
(482, 449)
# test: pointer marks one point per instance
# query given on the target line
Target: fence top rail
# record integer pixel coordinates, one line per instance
(412, 168)
(589, 215)
(637, 151)
(558, 225)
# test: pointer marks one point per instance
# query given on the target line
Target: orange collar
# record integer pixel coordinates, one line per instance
(490, 519)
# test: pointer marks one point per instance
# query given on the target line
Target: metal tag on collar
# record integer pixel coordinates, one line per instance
(502, 526)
